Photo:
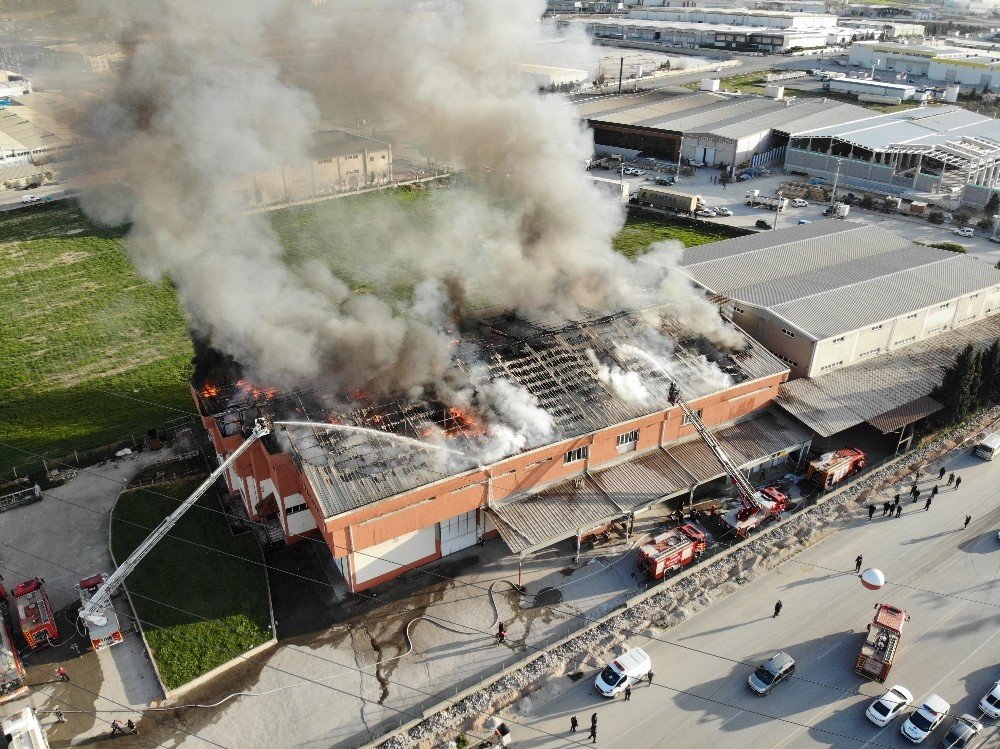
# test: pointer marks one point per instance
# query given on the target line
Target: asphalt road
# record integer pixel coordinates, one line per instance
(945, 576)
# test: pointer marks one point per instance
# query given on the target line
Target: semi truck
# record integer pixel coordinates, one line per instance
(881, 642)
(771, 202)
(658, 197)
(833, 467)
(669, 551)
(34, 613)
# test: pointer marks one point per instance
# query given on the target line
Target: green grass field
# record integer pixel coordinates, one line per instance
(639, 233)
(220, 580)
(85, 340)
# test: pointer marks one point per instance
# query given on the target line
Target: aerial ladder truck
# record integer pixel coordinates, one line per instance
(97, 610)
(756, 506)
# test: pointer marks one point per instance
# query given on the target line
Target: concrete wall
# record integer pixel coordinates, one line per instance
(385, 560)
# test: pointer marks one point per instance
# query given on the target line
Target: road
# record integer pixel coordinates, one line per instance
(945, 576)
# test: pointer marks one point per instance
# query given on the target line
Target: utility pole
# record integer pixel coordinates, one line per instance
(621, 72)
(996, 226)
(777, 210)
(680, 148)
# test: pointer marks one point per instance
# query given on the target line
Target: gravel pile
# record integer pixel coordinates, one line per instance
(717, 579)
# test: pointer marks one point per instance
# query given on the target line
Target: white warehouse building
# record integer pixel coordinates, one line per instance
(831, 294)
(737, 17)
(964, 66)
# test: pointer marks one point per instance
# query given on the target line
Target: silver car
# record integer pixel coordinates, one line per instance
(779, 667)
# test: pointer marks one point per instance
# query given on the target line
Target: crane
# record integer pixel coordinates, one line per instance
(757, 505)
(97, 610)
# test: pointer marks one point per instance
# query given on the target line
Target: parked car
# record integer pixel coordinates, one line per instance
(800, 203)
(924, 719)
(639, 172)
(696, 164)
(964, 231)
(30, 199)
(963, 733)
(883, 710)
(778, 668)
(990, 704)
(762, 224)
(705, 213)
(626, 669)
(722, 211)
(664, 180)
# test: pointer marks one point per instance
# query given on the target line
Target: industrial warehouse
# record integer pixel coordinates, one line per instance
(708, 127)
(353, 469)
(832, 293)
(928, 151)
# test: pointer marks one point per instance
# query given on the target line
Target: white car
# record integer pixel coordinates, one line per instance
(696, 164)
(990, 704)
(924, 719)
(638, 172)
(30, 198)
(965, 231)
(722, 211)
(705, 213)
(883, 710)
(800, 203)
(624, 670)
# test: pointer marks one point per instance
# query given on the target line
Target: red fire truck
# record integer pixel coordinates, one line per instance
(755, 510)
(13, 679)
(881, 642)
(101, 634)
(672, 550)
(34, 613)
(833, 467)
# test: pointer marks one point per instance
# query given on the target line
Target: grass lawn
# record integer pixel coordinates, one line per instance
(81, 330)
(639, 233)
(229, 591)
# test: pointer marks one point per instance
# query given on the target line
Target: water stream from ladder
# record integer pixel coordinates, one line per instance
(373, 432)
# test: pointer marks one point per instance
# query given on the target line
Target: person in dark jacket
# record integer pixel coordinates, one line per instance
(857, 563)
(777, 608)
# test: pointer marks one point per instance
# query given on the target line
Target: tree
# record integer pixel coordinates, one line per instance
(993, 204)
(867, 202)
(985, 223)
(961, 216)
(989, 387)
(959, 389)
(935, 217)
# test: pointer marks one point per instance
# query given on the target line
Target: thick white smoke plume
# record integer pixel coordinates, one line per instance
(625, 384)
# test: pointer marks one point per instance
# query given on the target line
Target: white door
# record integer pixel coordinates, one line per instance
(699, 153)
(459, 532)
(709, 156)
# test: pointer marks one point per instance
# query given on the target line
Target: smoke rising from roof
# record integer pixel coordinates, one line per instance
(200, 103)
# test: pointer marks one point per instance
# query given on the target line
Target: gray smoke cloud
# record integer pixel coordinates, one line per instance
(201, 102)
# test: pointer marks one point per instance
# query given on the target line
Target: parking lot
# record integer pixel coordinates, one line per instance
(944, 575)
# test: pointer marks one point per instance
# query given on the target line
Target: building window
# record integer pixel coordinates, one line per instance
(938, 329)
(911, 316)
(739, 310)
(687, 420)
(906, 340)
(973, 296)
(869, 352)
(877, 327)
(831, 366)
(838, 339)
(629, 438)
(786, 360)
(326, 161)
(579, 453)
(296, 508)
(964, 319)
(788, 333)
(946, 305)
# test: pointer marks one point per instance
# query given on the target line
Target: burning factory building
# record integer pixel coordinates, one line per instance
(542, 431)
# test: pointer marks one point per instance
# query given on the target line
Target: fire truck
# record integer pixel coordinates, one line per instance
(756, 506)
(672, 550)
(881, 642)
(34, 613)
(13, 679)
(97, 610)
(833, 467)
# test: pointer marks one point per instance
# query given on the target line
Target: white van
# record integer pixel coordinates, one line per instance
(626, 669)
(21, 730)
(987, 447)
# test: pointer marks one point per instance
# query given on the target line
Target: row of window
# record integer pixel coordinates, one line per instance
(296, 508)
(579, 453)
(628, 438)
(869, 352)
(788, 333)
(786, 360)
(905, 340)
(831, 366)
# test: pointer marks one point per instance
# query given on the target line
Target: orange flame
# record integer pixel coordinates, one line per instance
(208, 390)
(256, 392)
(462, 421)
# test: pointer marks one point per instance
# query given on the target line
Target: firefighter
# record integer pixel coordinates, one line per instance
(942, 472)
(968, 519)
(857, 563)
(61, 673)
(777, 609)
(573, 723)
(951, 479)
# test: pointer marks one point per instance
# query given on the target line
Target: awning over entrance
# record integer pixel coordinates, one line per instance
(533, 521)
(908, 413)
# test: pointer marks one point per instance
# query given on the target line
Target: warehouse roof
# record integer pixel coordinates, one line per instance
(830, 277)
(722, 116)
(923, 126)
(879, 389)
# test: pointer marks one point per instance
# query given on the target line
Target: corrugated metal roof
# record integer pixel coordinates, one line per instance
(554, 514)
(644, 479)
(921, 126)
(852, 395)
(908, 413)
(836, 277)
